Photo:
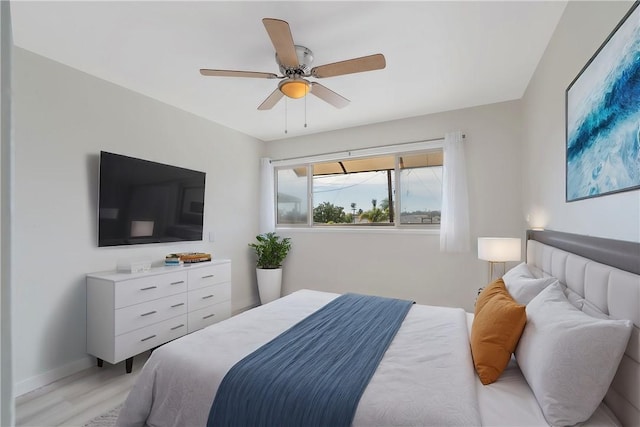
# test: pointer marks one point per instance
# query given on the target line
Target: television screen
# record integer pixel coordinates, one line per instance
(147, 202)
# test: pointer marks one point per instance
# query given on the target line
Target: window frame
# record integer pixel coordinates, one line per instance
(397, 151)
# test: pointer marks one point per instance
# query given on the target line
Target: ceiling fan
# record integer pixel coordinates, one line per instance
(295, 65)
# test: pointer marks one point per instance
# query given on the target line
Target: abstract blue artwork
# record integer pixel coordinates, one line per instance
(603, 117)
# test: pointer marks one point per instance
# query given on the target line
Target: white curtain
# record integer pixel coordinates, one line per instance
(267, 197)
(454, 222)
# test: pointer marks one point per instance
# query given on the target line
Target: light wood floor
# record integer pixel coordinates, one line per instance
(74, 400)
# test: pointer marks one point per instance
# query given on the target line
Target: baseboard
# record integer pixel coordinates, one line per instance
(53, 375)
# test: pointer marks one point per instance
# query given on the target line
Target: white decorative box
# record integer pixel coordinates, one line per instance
(134, 266)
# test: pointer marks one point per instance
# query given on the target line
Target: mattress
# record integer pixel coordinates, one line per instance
(425, 378)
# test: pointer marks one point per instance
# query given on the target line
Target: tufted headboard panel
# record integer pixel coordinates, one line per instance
(599, 289)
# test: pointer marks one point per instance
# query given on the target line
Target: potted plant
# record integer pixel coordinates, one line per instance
(271, 251)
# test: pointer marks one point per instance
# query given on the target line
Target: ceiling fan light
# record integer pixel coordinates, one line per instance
(295, 88)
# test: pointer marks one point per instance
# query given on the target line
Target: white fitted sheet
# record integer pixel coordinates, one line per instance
(510, 402)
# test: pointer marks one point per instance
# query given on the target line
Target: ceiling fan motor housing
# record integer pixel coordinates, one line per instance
(305, 59)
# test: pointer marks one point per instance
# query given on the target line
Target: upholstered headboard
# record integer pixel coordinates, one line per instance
(602, 278)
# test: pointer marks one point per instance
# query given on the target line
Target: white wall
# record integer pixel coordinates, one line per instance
(6, 168)
(581, 30)
(63, 118)
(410, 265)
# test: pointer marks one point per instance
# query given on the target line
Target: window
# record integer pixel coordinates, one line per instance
(421, 186)
(291, 197)
(354, 191)
(358, 190)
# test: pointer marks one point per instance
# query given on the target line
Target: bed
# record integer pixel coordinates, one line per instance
(422, 379)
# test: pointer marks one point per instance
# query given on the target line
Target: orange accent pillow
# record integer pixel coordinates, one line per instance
(496, 329)
(489, 292)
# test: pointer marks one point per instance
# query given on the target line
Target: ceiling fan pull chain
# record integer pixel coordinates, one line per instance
(305, 111)
(285, 115)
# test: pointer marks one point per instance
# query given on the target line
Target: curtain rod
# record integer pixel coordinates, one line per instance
(362, 148)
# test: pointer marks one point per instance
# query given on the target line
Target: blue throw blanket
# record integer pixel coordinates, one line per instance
(314, 373)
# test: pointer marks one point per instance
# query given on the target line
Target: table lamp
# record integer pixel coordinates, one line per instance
(498, 250)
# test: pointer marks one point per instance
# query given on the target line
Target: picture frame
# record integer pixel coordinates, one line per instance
(602, 120)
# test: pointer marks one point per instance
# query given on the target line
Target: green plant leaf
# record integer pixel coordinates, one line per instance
(271, 250)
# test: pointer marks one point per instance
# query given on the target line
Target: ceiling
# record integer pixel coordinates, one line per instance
(440, 56)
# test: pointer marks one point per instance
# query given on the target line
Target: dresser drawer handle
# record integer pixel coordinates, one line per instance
(177, 327)
(148, 338)
(207, 277)
(177, 283)
(207, 296)
(206, 317)
(149, 313)
(148, 288)
(177, 305)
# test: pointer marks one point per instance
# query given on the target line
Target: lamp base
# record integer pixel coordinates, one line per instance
(492, 270)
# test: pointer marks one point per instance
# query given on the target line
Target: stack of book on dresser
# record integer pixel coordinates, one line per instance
(182, 258)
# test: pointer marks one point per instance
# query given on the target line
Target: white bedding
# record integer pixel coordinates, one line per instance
(522, 408)
(426, 377)
(510, 402)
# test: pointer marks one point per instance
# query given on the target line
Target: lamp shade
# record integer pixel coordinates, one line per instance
(499, 249)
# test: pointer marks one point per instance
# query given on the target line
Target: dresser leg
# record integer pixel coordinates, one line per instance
(129, 365)
(100, 361)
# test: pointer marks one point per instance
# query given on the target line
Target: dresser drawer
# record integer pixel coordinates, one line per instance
(210, 275)
(210, 295)
(137, 341)
(147, 288)
(147, 313)
(198, 319)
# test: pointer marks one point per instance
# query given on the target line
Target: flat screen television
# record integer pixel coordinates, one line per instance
(141, 201)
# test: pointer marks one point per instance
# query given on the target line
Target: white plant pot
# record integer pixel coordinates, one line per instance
(269, 283)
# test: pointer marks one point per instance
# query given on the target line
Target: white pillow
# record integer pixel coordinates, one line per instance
(568, 357)
(536, 272)
(522, 285)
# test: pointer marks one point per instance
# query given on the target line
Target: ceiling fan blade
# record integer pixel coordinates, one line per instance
(233, 73)
(271, 100)
(328, 95)
(355, 65)
(282, 40)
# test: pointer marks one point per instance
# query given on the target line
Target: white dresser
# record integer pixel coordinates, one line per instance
(128, 313)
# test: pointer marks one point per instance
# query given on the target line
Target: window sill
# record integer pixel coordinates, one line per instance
(362, 230)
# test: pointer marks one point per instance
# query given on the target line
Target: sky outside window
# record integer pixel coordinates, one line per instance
(421, 189)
